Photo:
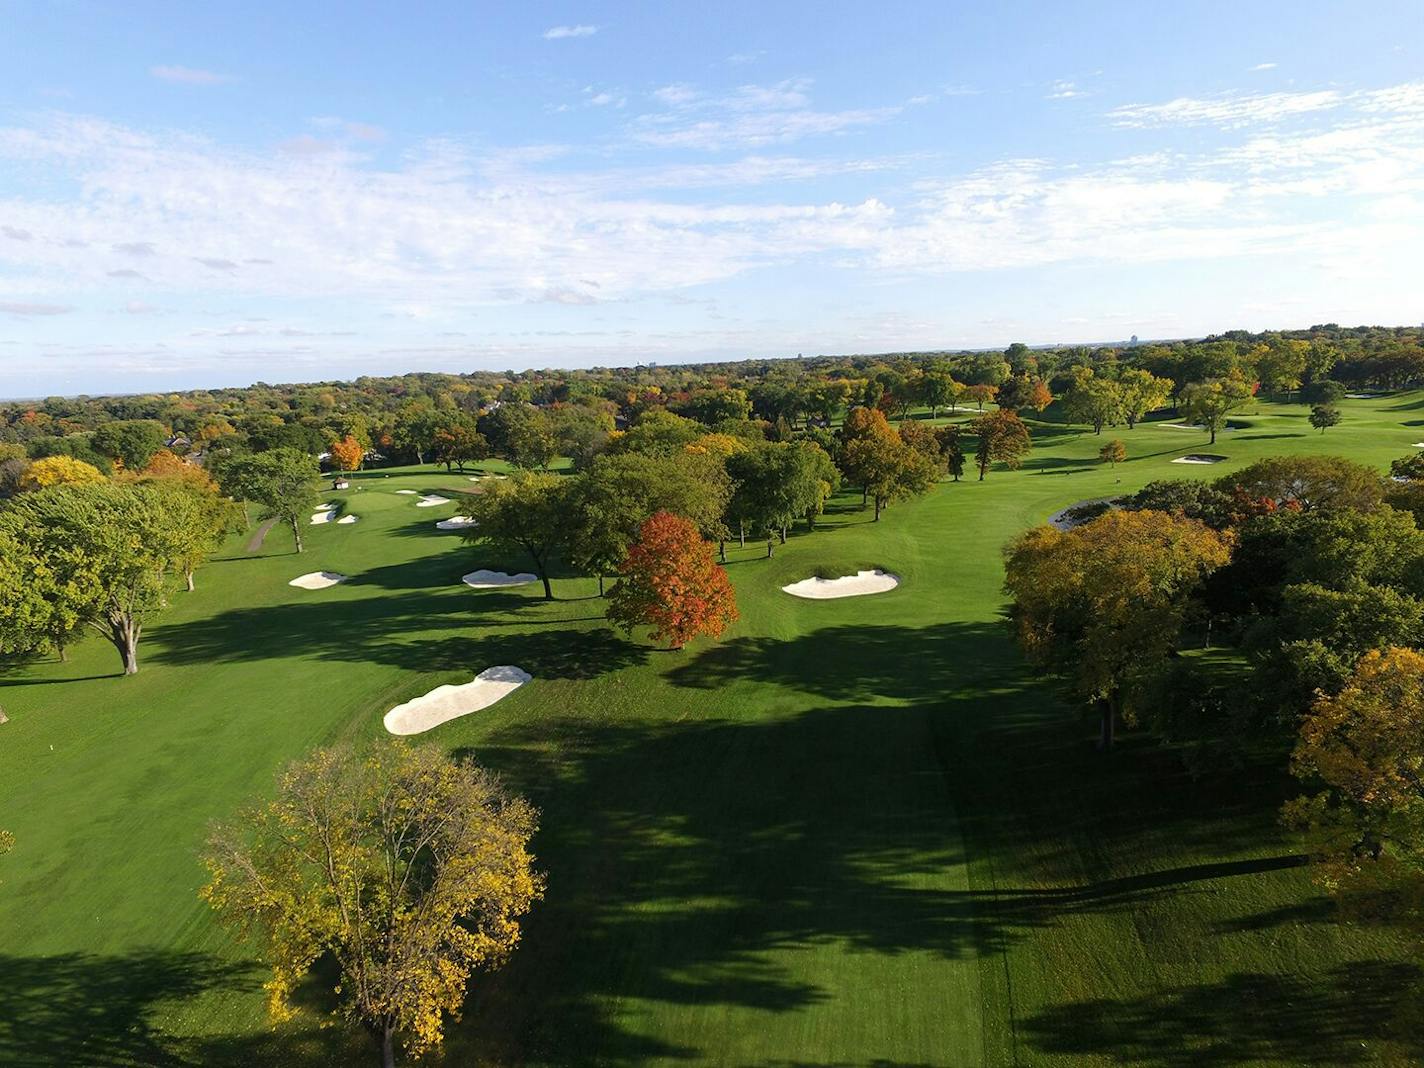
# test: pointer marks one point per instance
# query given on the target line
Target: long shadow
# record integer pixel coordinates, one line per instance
(1338, 1017)
(82, 1008)
(415, 630)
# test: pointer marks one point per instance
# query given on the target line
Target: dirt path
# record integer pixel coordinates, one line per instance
(254, 543)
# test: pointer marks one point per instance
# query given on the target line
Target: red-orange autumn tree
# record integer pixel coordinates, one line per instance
(671, 583)
(347, 454)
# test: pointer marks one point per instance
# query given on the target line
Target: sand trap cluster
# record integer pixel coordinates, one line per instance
(455, 522)
(445, 703)
(432, 500)
(857, 585)
(318, 580)
(1199, 458)
(489, 580)
(347, 519)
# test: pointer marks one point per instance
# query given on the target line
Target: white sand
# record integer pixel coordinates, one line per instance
(857, 585)
(432, 500)
(1359, 396)
(318, 580)
(490, 580)
(348, 519)
(411, 492)
(445, 703)
(323, 517)
(1198, 459)
(458, 522)
(1419, 445)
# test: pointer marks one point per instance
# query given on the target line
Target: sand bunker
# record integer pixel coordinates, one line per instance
(1199, 458)
(445, 703)
(411, 492)
(1419, 445)
(318, 580)
(348, 519)
(457, 522)
(1064, 519)
(432, 500)
(857, 585)
(324, 517)
(489, 580)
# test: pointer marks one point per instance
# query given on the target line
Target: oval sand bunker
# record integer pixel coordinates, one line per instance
(458, 522)
(318, 580)
(858, 585)
(432, 500)
(347, 519)
(445, 703)
(489, 580)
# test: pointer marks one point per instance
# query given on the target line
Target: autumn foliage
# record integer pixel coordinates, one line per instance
(347, 454)
(671, 583)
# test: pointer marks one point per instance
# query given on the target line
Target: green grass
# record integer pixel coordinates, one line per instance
(853, 832)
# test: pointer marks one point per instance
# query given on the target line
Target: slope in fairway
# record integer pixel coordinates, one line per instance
(854, 832)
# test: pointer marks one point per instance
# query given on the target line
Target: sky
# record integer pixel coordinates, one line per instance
(203, 195)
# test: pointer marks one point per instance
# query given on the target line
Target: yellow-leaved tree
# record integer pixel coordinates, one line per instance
(1364, 747)
(1103, 604)
(409, 868)
(59, 471)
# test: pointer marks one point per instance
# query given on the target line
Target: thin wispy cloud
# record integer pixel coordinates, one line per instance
(1063, 90)
(558, 33)
(1263, 66)
(1228, 110)
(188, 75)
(26, 309)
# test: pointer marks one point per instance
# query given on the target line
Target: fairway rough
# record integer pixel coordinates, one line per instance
(445, 703)
(858, 585)
(489, 580)
(318, 580)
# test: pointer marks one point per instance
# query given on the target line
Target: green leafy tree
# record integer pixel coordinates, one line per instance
(99, 550)
(1209, 403)
(283, 481)
(1324, 416)
(132, 442)
(408, 868)
(529, 511)
(1141, 392)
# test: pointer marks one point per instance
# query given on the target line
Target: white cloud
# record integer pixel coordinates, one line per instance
(1061, 90)
(29, 308)
(557, 33)
(750, 116)
(188, 75)
(1230, 110)
(1263, 66)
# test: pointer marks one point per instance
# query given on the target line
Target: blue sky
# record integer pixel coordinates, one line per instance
(213, 194)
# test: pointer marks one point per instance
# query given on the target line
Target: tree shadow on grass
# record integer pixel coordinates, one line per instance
(82, 1008)
(1338, 1017)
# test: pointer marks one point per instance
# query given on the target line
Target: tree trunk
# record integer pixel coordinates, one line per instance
(1213, 434)
(783, 535)
(123, 632)
(188, 578)
(297, 533)
(600, 583)
(864, 495)
(769, 541)
(548, 589)
(877, 508)
(388, 1047)
(1109, 725)
(722, 549)
(742, 533)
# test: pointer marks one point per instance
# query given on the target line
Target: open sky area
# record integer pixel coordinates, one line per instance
(218, 193)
